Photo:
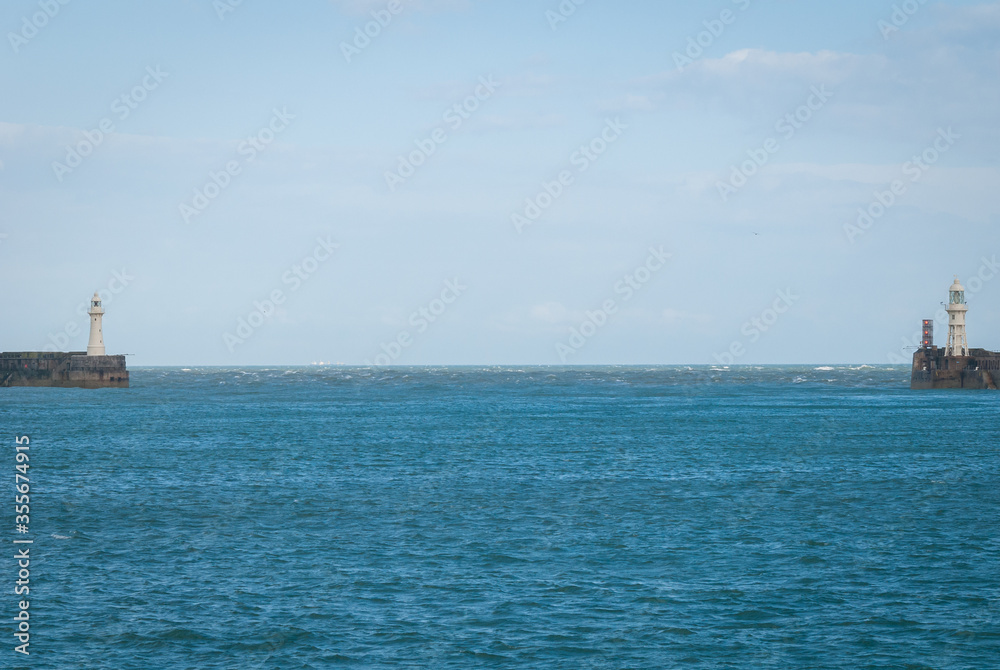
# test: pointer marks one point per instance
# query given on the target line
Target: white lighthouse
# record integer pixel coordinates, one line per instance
(96, 345)
(958, 345)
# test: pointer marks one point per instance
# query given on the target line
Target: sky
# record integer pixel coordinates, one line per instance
(487, 182)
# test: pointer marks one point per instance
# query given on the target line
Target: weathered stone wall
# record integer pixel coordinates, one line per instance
(933, 370)
(74, 370)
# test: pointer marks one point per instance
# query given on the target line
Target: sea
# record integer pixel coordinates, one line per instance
(506, 517)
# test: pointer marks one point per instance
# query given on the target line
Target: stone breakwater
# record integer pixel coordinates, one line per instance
(980, 370)
(67, 370)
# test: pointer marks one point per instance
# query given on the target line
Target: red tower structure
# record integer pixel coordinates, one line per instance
(927, 340)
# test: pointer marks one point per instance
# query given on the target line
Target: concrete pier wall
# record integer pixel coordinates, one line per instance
(980, 370)
(69, 370)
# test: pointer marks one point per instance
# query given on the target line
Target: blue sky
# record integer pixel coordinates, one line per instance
(435, 268)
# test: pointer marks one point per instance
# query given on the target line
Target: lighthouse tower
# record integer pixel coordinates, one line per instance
(958, 345)
(96, 345)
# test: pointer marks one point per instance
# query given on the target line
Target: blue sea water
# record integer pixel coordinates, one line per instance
(768, 517)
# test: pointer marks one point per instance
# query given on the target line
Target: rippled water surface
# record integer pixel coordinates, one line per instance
(511, 518)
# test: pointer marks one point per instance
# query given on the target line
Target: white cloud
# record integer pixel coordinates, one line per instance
(11, 131)
(822, 65)
(752, 81)
(967, 20)
(922, 78)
